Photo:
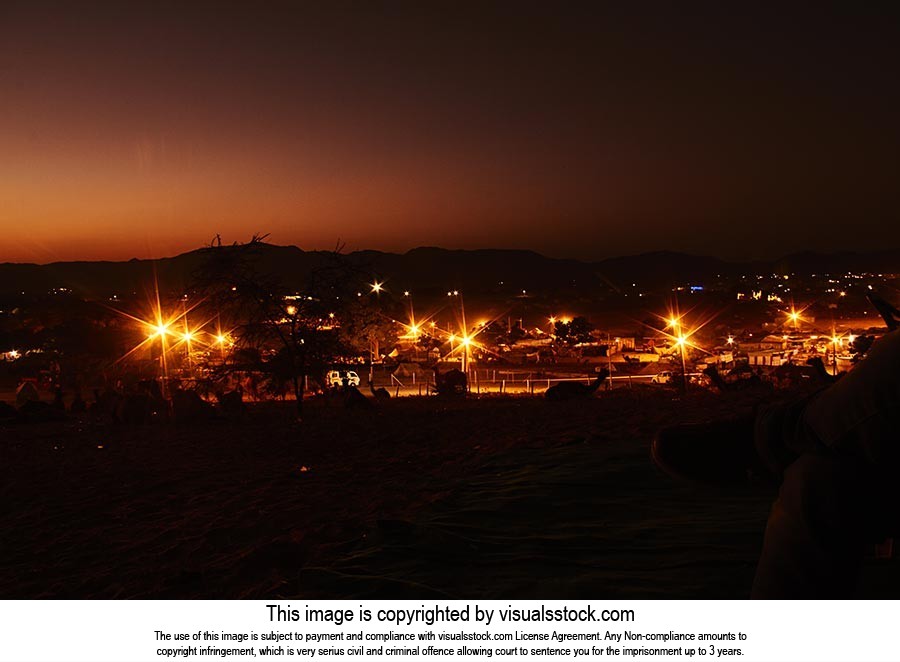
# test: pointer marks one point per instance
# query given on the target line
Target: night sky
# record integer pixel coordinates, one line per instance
(723, 128)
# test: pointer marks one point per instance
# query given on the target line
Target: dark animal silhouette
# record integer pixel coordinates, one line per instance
(713, 373)
(151, 387)
(139, 409)
(26, 392)
(106, 403)
(188, 407)
(354, 399)
(821, 373)
(380, 393)
(889, 314)
(790, 375)
(141, 405)
(575, 390)
(739, 384)
(58, 402)
(452, 383)
(231, 402)
(35, 411)
(78, 405)
(7, 411)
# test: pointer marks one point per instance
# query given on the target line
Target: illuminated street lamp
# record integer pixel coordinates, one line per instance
(794, 317)
(681, 341)
(159, 330)
(466, 341)
(836, 341)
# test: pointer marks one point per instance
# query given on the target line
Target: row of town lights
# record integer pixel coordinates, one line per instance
(161, 330)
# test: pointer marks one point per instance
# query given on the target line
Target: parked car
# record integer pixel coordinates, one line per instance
(664, 377)
(335, 378)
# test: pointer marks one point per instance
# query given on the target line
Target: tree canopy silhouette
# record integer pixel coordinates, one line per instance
(293, 331)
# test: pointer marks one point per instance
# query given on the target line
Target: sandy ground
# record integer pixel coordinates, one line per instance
(492, 497)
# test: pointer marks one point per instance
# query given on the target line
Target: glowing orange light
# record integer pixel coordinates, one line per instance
(291, 310)
(159, 330)
(377, 287)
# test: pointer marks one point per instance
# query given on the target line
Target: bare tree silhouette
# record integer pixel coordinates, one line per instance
(293, 327)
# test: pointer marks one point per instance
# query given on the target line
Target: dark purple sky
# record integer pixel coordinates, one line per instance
(143, 130)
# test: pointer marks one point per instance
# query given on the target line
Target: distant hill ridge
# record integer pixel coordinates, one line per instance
(437, 268)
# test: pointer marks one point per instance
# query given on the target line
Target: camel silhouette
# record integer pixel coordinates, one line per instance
(7, 411)
(354, 399)
(575, 390)
(753, 381)
(380, 393)
(889, 314)
(818, 366)
(231, 402)
(451, 383)
(78, 405)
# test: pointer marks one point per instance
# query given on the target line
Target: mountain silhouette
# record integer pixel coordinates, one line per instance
(436, 269)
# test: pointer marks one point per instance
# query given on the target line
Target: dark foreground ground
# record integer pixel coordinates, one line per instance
(489, 498)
